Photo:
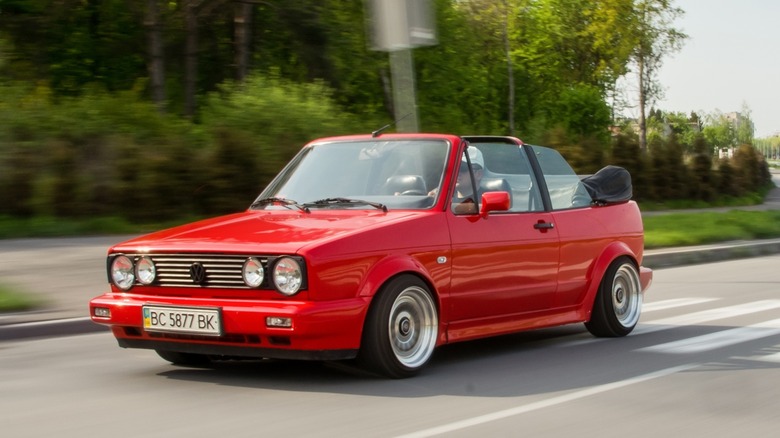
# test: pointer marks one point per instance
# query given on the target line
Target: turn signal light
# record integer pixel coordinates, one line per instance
(102, 312)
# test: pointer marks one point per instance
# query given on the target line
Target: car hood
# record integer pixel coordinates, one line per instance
(265, 231)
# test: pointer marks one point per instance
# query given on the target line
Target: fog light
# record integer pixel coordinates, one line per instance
(278, 321)
(102, 312)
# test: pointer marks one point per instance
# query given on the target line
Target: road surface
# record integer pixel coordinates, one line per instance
(704, 361)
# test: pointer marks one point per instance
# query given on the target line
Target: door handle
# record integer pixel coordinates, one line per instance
(541, 225)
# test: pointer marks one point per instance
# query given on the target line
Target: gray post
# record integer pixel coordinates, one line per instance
(404, 95)
(397, 26)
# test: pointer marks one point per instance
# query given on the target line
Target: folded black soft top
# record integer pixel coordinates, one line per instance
(610, 185)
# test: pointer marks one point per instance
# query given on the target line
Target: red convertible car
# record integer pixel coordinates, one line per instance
(382, 247)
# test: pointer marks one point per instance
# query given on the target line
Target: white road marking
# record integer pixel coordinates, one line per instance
(676, 302)
(692, 345)
(706, 316)
(687, 319)
(772, 357)
(723, 338)
(541, 404)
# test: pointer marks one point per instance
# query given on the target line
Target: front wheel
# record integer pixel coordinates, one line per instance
(401, 328)
(618, 303)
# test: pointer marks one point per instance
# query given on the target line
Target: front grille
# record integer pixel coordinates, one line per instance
(222, 271)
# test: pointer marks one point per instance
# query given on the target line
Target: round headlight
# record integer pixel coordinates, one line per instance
(288, 276)
(145, 270)
(253, 272)
(122, 272)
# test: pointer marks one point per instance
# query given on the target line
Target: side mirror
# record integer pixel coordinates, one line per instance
(494, 201)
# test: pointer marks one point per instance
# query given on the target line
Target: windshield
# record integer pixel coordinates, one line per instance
(391, 173)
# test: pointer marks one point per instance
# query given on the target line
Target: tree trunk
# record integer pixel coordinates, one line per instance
(642, 103)
(155, 64)
(243, 28)
(510, 72)
(191, 58)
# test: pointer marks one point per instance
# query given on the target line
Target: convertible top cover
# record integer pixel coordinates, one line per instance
(611, 184)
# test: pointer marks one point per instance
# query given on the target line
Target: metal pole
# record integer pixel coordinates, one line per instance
(404, 99)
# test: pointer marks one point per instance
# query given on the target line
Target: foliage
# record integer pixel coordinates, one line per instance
(81, 137)
(13, 300)
(110, 153)
(703, 181)
(654, 38)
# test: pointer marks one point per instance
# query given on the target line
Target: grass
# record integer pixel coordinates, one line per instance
(14, 228)
(685, 229)
(725, 201)
(12, 300)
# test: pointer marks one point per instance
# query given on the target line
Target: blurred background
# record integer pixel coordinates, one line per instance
(130, 111)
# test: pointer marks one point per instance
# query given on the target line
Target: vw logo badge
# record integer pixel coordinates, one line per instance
(198, 273)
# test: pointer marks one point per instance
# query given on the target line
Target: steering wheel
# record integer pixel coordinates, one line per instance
(413, 192)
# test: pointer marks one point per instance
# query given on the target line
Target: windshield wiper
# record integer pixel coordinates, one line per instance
(286, 202)
(344, 201)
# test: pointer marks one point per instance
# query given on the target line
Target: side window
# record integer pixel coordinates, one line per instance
(499, 166)
(464, 201)
(566, 189)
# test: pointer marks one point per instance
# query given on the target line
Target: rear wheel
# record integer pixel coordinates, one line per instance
(186, 359)
(618, 303)
(401, 328)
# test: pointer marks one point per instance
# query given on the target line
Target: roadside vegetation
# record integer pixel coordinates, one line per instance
(684, 229)
(13, 300)
(104, 127)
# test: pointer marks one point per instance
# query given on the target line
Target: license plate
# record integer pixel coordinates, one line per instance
(201, 321)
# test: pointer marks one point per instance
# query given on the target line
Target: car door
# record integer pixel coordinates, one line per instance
(583, 229)
(505, 265)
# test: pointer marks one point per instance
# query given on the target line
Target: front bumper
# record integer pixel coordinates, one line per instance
(326, 330)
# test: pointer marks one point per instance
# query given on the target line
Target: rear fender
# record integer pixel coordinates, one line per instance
(599, 268)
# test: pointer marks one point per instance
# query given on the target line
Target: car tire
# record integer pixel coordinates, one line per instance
(401, 329)
(618, 303)
(186, 359)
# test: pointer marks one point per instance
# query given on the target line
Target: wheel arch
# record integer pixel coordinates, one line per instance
(611, 253)
(392, 267)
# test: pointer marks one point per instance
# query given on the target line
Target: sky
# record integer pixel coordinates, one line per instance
(730, 60)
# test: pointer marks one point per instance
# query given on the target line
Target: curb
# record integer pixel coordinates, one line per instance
(49, 329)
(684, 256)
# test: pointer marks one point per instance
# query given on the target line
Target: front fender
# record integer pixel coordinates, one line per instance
(389, 267)
(435, 275)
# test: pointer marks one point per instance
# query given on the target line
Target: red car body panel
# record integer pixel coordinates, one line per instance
(489, 275)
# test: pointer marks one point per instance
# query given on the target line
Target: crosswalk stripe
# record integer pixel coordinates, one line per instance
(772, 356)
(706, 316)
(723, 338)
(675, 302)
(687, 319)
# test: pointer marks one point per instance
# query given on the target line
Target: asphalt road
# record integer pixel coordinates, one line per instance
(704, 361)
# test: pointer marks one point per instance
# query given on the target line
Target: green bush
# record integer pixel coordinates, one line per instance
(107, 154)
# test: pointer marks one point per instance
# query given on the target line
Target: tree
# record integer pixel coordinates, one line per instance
(654, 39)
(495, 19)
(156, 58)
(703, 182)
(745, 128)
(242, 22)
(719, 131)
